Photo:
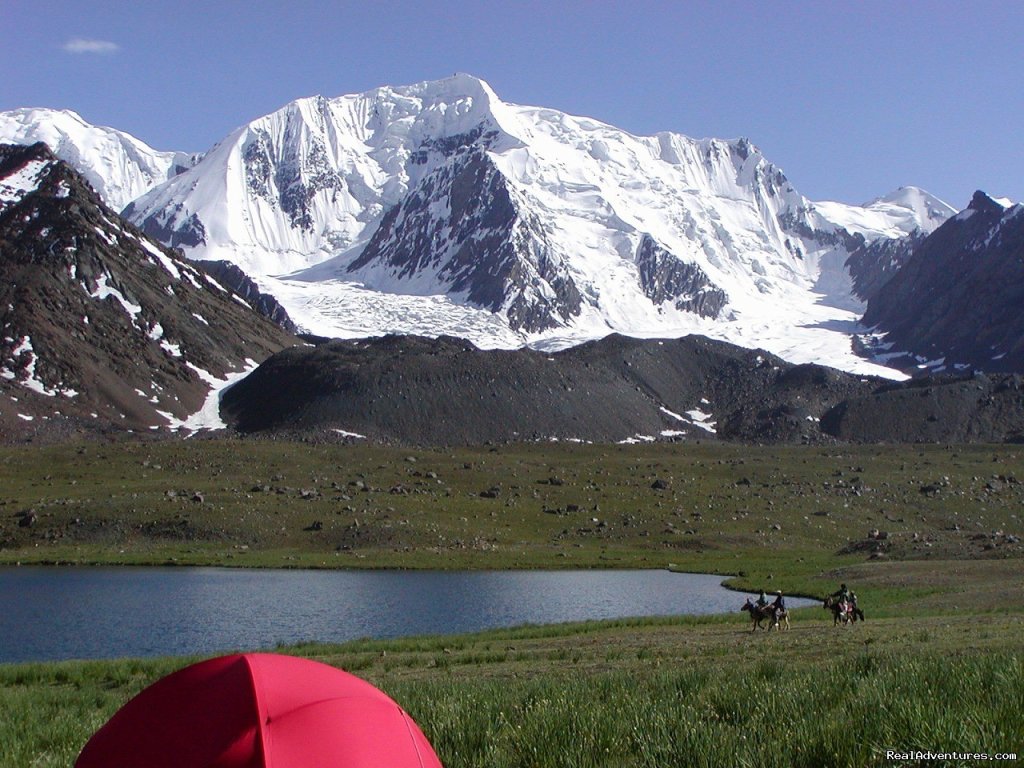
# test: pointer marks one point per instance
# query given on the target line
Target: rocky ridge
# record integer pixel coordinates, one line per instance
(955, 302)
(103, 328)
(412, 390)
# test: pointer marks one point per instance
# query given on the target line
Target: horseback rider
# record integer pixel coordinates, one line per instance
(762, 600)
(779, 605)
(842, 594)
(857, 612)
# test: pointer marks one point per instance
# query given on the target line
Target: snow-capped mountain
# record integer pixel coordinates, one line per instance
(101, 326)
(901, 212)
(437, 208)
(118, 166)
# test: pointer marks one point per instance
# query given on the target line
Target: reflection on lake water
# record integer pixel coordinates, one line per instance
(79, 613)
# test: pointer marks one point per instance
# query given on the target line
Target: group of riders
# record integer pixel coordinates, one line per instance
(775, 612)
(777, 607)
(842, 602)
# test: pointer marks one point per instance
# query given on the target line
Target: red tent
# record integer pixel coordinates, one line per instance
(259, 710)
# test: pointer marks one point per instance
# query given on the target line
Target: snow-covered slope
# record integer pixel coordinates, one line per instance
(118, 166)
(438, 208)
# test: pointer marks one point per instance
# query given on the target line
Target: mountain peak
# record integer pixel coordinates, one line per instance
(926, 210)
(119, 166)
(463, 83)
(32, 115)
(981, 202)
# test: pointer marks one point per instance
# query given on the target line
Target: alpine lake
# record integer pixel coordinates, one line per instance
(49, 614)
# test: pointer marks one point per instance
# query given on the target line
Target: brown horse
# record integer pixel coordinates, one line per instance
(759, 613)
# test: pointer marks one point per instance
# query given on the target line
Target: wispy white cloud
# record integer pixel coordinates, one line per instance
(82, 45)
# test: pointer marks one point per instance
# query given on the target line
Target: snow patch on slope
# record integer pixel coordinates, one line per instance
(21, 182)
(208, 417)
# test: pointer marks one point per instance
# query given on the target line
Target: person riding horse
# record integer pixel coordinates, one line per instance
(857, 612)
(759, 613)
(843, 603)
(779, 604)
(778, 608)
(761, 609)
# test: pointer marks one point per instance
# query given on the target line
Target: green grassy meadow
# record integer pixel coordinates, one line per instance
(659, 692)
(929, 536)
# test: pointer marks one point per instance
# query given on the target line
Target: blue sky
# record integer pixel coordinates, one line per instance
(850, 99)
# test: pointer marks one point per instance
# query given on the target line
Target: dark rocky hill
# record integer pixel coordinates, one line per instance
(958, 299)
(413, 390)
(950, 409)
(103, 328)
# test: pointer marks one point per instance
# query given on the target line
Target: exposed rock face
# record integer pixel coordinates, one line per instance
(239, 283)
(664, 277)
(292, 177)
(170, 226)
(462, 227)
(873, 264)
(958, 298)
(101, 326)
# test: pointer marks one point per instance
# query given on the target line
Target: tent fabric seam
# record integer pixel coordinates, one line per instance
(361, 697)
(412, 736)
(261, 711)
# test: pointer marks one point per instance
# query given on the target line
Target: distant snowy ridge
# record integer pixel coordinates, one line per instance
(118, 166)
(901, 212)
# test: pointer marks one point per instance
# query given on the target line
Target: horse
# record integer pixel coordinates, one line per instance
(759, 613)
(843, 611)
(780, 618)
(839, 608)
